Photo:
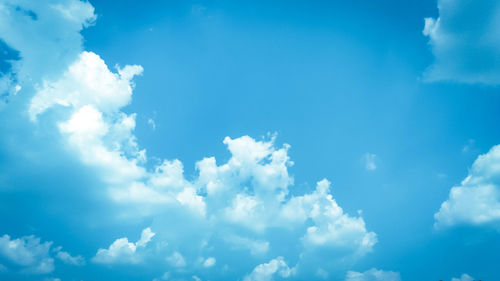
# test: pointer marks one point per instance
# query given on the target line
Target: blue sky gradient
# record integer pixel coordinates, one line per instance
(394, 103)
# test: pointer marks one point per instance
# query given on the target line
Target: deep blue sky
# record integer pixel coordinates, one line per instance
(337, 80)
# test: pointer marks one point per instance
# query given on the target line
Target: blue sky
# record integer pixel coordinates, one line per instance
(249, 140)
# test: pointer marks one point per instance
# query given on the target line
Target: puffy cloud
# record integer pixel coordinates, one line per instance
(332, 227)
(43, 52)
(123, 251)
(27, 252)
(476, 201)
(209, 262)
(465, 41)
(266, 271)
(373, 275)
(464, 277)
(88, 81)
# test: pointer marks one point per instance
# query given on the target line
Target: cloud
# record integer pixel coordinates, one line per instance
(266, 271)
(369, 159)
(27, 252)
(43, 52)
(464, 277)
(476, 200)
(373, 275)
(209, 262)
(176, 260)
(123, 251)
(67, 258)
(465, 41)
(245, 205)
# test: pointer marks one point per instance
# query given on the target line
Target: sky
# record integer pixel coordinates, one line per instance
(249, 140)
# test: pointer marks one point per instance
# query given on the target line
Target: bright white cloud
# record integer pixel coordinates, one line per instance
(27, 252)
(332, 227)
(465, 41)
(88, 81)
(123, 251)
(266, 271)
(464, 277)
(476, 201)
(373, 275)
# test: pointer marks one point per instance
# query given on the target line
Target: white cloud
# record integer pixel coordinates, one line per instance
(209, 262)
(464, 277)
(332, 227)
(238, 201)
(465, 41)
(45, 52)
(123, 251)
(369, 159)
(27, 252)
(176, 260)
(69, 259)
(88, 81)
(476, 200)
(266, 271)
(373, 275)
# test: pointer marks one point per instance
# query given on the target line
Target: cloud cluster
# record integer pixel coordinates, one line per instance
(247, 205)
(249, 194)
(33, 256)
(465, 41)
(476, 201)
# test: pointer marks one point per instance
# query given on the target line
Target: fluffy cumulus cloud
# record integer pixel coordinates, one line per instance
(247, 206)
(123, 251)
(27, 252)
(465, 41)
(266, 271)
(476, 201)
(373, 275)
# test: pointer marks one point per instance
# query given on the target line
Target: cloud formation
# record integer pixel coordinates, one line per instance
(27, 252)
(266, 271)
(247, 205)
(465, 41)
(122, 251)
(476, 201)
